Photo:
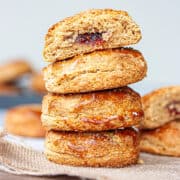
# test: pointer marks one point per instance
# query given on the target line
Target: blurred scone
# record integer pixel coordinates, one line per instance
(9, 90)
(103, 149)
(13, 70)
(161, 106)
(100, 70)
(98, 111)
(37, 83)
(25, 120)
(164, 140)
(89, 31)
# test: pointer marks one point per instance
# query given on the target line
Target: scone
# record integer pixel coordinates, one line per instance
(9, 90)
(164, 140)
(11, 71)
(103, 149)
(37, 83)
(106, 69)
(25, 120)
(161, 106)
(89, 31)
(98, 111)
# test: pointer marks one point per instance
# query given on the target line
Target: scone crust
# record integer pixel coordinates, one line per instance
(103, 110)
(158, 107)
(99, 70)
(103, 149)
(164, 140)
(117, 29)
(25, 120)
(37, 83)
(13, 70)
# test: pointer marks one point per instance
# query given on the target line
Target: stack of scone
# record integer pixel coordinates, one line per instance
(89, 112)
(161, 125)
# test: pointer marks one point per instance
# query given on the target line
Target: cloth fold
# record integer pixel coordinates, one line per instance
(17, 158)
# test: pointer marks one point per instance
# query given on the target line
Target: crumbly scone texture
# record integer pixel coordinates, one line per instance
(9, 90)
(115, 28)
(37, 83)
(164, 140)
(103, 149)
(106, 69)
(11, 71)
(161, 106)
(98, 111)
(25, 120)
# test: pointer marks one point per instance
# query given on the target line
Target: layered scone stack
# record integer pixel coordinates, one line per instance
(90, 112)
(161, 125)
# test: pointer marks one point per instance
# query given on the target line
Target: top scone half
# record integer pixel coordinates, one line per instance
(88, 31)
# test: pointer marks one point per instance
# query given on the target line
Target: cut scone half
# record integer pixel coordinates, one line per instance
(161, 106)
(164, 140)
(100, 70)
(89, 31)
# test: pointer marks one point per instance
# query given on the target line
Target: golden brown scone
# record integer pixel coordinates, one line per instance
(106, 69)
(89, 31)
(37, 83)
(103, 149)
(11, 71)
(25, 120)
(161, 106)
(98, 111)
(8, 90)
(164, 140)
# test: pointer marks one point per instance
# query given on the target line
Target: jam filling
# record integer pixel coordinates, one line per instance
(174, 108)
(90, 38)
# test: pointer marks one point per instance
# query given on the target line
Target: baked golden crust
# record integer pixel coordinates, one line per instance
(89, 31)
(99, 70)
(8, 90)
(103, 110)
(103, 149)
(161, 106)
(11, 71)
(25, 120)
(164, 140)
(37, 83)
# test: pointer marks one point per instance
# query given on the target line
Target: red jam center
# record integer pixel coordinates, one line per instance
(90, 38)
(174, 108)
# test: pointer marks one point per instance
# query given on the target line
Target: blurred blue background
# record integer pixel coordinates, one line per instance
(25, 23)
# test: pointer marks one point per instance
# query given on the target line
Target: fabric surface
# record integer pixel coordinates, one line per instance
(17, 158)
